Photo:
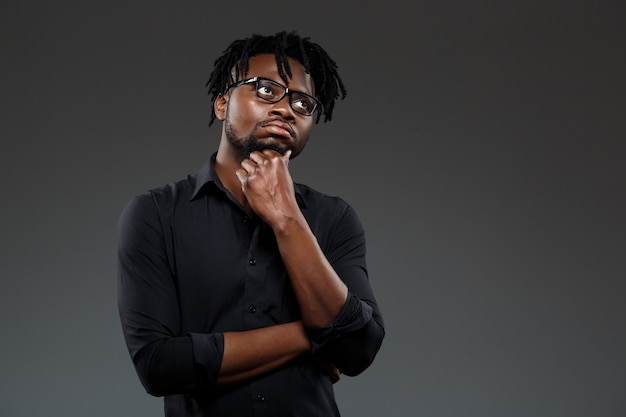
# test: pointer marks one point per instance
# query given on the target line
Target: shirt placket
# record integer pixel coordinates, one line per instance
(257, 268)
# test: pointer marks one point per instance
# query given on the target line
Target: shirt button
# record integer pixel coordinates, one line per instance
(252, 309)
(260, 397)
(252, 261)
(245, 219)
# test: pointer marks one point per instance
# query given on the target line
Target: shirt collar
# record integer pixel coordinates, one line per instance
(207, 175)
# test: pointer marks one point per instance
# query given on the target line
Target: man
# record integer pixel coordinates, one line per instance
(240, 292)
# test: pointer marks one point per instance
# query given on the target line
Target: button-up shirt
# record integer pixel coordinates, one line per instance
(192, 265)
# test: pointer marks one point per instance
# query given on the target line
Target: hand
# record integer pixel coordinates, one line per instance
(268, 187)
(330, 369)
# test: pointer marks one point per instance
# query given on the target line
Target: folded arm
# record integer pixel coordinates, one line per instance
(167, 361)
(329, 278)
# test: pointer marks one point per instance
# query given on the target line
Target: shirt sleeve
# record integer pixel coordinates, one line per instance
(166, 361)
(353, 339)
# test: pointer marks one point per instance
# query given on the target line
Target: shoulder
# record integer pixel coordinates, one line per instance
(319, 207)
(314, 199)
(160, 200)
(181, 189)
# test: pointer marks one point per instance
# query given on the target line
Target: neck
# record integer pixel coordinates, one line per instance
(226, 164)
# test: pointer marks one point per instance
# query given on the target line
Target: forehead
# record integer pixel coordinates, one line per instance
(264, 65)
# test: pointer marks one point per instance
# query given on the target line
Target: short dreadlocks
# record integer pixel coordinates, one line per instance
(316, 62)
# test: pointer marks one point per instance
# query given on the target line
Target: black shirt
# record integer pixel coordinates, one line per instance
(192, 265)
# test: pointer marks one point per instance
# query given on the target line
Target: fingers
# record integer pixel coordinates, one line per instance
(252, 165)
(330, 369)
(267, 156)
(268, 187)
(249, 166)
(242, 175)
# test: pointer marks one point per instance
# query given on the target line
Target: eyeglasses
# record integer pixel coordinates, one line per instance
(273, 92)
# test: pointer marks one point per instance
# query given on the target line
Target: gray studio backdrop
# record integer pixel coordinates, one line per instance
(482, 144)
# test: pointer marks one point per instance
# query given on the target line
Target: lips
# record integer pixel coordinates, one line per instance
(279, 128)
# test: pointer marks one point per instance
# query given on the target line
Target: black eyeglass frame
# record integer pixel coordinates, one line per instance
(287, 91)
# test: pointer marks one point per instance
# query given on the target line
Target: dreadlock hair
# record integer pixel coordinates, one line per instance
(314, 59)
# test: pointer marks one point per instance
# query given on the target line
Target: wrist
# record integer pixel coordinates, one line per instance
(286, 225)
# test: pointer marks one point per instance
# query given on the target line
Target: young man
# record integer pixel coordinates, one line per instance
(240, 292)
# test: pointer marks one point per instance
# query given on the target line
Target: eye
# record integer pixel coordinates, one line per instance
(266, 90)
(303, 104)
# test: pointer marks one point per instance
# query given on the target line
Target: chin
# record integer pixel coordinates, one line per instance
(251, 147)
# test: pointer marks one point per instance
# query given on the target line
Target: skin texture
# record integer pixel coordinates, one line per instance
(261, 182)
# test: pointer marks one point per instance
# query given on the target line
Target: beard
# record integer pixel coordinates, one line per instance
(244, 146)
(251, 145)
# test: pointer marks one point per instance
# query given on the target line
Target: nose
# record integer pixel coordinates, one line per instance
(283, 108)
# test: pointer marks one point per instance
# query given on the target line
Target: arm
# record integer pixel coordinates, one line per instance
(268, 188)
(331, 285)
(355, 336)
(166, 361)
(252, 353)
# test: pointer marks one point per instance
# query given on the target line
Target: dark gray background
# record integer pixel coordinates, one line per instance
(482, 144)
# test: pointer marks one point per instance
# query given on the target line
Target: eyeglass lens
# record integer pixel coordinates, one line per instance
(274, 92)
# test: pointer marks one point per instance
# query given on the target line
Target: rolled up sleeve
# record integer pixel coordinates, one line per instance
(353, 339)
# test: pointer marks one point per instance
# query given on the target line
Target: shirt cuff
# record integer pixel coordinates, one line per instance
(354, 315)
(208, 352)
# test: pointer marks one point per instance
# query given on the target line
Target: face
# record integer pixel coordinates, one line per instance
(253, 124)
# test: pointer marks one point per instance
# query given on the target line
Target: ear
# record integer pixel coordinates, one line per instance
(219, 107)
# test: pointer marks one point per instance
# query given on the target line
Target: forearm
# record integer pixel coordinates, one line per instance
(320, 276)
(319, 290)
(252, 353)
(166, 366)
